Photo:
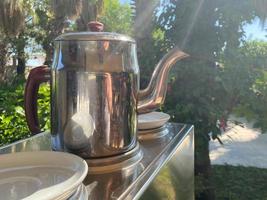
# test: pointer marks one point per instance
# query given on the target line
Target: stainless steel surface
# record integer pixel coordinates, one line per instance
(176, 179)
(149, 134)
(95, 36)
(39, 142)
(153, 96)
(114, 163)
(174, 153)
(94, 97)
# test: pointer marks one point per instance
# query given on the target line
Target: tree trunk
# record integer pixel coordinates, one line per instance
(203, 170)
(3, 60)
(21, 62)
(89, 13)
(57, 28)
(49, 51)
(20, 45)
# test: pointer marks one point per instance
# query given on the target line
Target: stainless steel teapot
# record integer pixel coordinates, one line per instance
(95, 96)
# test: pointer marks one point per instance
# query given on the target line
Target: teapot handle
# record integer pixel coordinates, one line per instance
(37, 76)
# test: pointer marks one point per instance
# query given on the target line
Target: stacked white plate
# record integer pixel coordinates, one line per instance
(152, 120)
(42, 175)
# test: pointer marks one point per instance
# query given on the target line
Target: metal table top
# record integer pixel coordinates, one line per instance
(128, 182)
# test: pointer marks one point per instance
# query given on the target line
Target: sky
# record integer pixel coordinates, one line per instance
(125, 1)
(255, 30)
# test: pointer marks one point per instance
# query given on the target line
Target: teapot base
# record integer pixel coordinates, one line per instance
(126, 160)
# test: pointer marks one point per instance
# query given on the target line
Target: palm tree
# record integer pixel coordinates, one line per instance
(91, 9)
(12, 22)
(66, 9)
(12, 17)
(56, 16)
(57, 19)
(3, 58)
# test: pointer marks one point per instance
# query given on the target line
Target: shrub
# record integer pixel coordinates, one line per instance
(13, 124)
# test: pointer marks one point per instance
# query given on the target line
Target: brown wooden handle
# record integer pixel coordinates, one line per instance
(37, 76)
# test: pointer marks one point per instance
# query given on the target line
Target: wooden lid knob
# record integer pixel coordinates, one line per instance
(95, 26)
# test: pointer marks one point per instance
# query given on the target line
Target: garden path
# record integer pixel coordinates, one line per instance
(242, 145)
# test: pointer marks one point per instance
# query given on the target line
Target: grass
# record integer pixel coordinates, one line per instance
(230, 183)
(240, 183)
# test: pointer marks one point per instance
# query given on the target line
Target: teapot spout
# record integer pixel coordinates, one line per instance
(153, 96)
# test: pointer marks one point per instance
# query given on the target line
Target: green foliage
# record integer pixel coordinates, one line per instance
(12, 117)
(116, 17)
(158, 35)
(245, 78)
(44, 106)
(13, 124)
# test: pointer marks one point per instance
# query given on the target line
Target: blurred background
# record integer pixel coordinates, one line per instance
(221, 89)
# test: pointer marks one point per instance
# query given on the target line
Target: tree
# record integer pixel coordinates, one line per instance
(143, 12)
(91, 9)
(12, 23)
(249, 75)
(204, 29)
(3, 58)
(116, 17)
(212, 33)
(76, 14)
(54, 16)
(144, 15)
(11, 17)
(260, 7)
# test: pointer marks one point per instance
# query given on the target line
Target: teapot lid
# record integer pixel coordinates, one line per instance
(94, 36)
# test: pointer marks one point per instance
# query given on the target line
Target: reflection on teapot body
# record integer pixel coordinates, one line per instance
(95, 93)
(78, 131)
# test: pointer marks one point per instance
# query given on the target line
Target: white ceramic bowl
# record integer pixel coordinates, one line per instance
(42, 175)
